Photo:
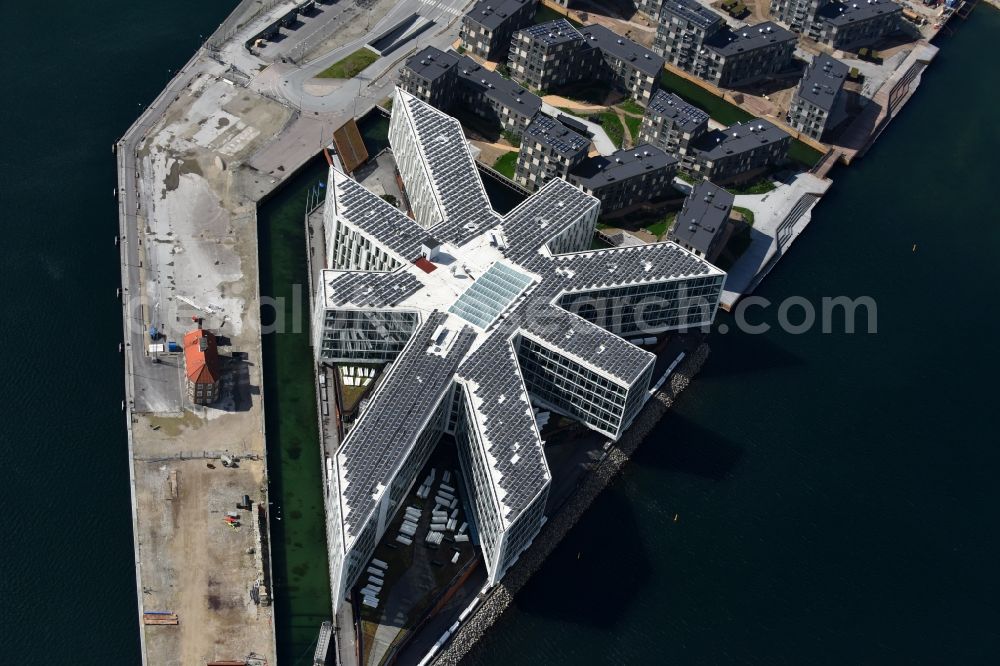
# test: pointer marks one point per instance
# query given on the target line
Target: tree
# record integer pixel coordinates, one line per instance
(512, 139)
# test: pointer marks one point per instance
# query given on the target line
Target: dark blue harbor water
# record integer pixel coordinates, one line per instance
(835, 495)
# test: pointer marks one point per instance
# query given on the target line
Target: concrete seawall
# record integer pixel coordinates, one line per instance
(495, 601)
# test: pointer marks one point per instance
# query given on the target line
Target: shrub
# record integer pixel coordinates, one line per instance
(512, 139)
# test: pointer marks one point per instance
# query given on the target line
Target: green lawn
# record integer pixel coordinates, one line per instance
(803, 154)
(506, 164)
(613, 126)
(588, 92)
(716, 107)
(633, 123)
(655, 223)
(760, 186)
(543, 15)
(661, 227)
(631, 106)
(349, 67)
(598, 244)
(746, 213)
(688, 178)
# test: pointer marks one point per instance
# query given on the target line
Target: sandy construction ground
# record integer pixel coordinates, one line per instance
(200, 255)
(193, 563)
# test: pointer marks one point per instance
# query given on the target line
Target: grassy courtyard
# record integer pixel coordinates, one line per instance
(718, 108)
(612, 125)
(506, 164)
(746, 213)
(760, 186)
(661, 227)
(633, 124)
(803, 154)
(545, 14)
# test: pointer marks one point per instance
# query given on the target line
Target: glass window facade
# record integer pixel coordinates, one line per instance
(572, 388)
(501, 546)
(648, 308)
(521, 533)
(485, 506)
(366, 335)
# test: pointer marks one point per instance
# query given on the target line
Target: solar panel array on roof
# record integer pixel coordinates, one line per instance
(553, 32)
(638, 264)
(490, 295)
(492, 372)
(452, 170)
(369, 289)
(554, 134)
(504, 301)
(402, 405)
(507, 423)
(686, 116)
(377, 218)
(543, 216)
(691, 10)
(589, 344)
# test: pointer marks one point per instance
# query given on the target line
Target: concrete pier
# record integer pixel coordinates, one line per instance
(221, 136)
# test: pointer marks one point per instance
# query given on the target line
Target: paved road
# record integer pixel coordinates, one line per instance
(150, 386)
(289, 82)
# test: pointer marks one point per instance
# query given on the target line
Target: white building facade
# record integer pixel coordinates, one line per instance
(512, 310)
